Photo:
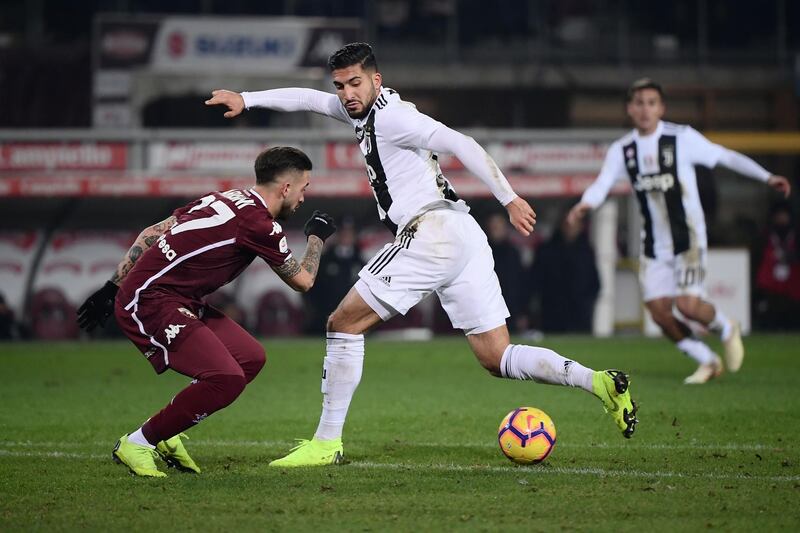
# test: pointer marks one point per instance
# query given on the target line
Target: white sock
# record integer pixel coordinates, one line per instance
(697, 350)
(137, 437)
(544, 366)
(721, 323)
(341, 374)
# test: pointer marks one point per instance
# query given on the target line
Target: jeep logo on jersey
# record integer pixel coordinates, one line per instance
(276, 228)
(172, 331)
(654, 182)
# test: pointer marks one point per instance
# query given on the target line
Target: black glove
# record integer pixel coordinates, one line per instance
(97, 307)
(321, 225)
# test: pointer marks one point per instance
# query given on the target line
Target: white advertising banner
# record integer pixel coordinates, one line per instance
(247, 45)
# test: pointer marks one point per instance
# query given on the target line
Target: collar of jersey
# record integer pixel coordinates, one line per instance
(656, 133)
(259, 197)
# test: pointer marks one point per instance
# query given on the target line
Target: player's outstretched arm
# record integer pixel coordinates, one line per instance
(285, 100)
(99, 306)
(747, 167)
(301, 276)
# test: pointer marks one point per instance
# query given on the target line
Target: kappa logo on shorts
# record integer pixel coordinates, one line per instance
(150, 353)
(185, 312)
(172, 331)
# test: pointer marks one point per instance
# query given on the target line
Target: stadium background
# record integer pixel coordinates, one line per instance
(103, 130)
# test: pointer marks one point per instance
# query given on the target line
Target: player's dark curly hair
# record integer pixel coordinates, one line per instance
(353, 54)
(644, 83)
(273, 162)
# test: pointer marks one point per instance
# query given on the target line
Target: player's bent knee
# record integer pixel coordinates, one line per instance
(255, 362)
(228, 387)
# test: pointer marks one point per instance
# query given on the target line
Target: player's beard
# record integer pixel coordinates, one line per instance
(286, 212)
(363, 113)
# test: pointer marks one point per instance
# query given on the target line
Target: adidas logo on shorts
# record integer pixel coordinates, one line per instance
(386, 279)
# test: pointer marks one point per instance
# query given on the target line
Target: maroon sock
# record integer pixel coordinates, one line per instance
(193, 404)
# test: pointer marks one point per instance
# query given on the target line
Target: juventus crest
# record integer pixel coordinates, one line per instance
(668, 155)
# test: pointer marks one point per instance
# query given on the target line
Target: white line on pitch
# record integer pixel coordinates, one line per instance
(566, 470)
(544, 470)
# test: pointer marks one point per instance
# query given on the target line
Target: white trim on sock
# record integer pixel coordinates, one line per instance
(137, 437)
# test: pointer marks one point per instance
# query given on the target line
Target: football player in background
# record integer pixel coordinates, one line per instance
(157, 294)
(438, 248)
(659, 158)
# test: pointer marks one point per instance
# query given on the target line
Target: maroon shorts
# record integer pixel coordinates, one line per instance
(195, 340)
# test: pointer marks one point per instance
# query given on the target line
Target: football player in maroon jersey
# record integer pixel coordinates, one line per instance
(157, 294)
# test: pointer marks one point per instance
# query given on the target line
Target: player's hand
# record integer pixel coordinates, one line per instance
(233, 101)
(780, 184)
(577, 213)
(97, 307)
(521, 215)
(321, 225)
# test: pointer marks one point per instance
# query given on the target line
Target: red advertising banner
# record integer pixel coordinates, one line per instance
(63, 156)
(352, 185)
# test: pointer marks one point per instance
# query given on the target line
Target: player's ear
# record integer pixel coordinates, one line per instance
(377, 80)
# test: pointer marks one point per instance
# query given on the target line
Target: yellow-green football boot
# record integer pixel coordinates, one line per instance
(175, 455)
(313, 453)
(139, 459)
(611, 386)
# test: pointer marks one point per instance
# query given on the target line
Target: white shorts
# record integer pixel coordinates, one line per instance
(443, 251)
(681, 275)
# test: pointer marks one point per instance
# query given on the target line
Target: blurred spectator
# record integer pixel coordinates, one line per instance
(338, 270)
(6, 320)
(566, 280)
(509, 269)
(777, 298)
(52, 316)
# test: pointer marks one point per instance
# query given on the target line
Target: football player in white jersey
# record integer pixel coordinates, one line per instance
(658, 158)
(438, 247)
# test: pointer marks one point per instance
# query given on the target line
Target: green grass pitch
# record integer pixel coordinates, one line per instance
(420, 440)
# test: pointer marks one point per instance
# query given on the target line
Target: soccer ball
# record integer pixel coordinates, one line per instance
(527, 435)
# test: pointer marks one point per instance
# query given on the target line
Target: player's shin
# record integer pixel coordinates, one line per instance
(341, 375)
(544, 366)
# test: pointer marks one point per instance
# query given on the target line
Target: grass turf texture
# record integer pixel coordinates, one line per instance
(421, 441)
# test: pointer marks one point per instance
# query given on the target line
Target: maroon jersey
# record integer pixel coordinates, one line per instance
(214, 239)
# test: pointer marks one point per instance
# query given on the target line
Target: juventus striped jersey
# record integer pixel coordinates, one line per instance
(400, 147)
(214, 239)
(660, 167)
